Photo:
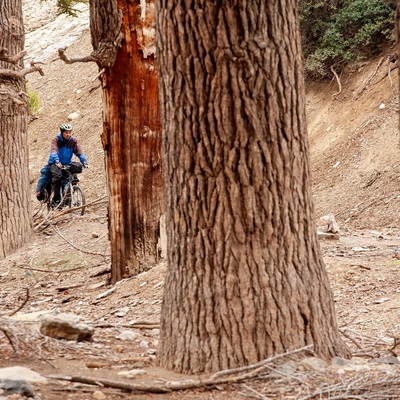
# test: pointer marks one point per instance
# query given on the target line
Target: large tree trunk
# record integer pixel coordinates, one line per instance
(131, 131)
(15, 208)
(246, 279)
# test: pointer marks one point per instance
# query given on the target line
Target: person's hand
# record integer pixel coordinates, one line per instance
(59, 165)
(85, 165)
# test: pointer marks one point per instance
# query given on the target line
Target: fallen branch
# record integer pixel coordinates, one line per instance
(8, 334)
(338, 81)
(261, 363)
(255, 371)
(76, 247)
(112, 384)
(22, 305)
(51, 216)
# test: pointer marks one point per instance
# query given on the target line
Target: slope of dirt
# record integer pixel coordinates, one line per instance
(355, 147)
(355, 165)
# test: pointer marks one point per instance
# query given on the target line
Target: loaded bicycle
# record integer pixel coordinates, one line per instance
(71, 194)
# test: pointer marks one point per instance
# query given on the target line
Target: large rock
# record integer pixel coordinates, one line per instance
(65, 326)
(21, 373)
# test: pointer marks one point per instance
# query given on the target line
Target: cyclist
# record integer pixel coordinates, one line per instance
(62, 148)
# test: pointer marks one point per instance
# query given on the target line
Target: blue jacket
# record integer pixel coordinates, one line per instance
(62, 151)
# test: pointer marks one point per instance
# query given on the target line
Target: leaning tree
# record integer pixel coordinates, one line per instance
(15, 208)
(245, 275)
(123, 47)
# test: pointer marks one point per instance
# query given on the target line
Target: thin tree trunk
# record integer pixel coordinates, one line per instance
(246, 279)
(15, 208)
(131, 134)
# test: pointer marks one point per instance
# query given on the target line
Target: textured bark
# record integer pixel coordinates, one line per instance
(15, 212)
(397, 27)
(131, 132)
(246, 279)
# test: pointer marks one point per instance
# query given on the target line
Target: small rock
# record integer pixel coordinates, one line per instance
(122, 312)
(340, 362)
(314, 363)
(119, 348)
(132, 373)
(17, 372)
(73, 116)
(127, 335)
(386, 360)
(19, 386)
(97, 394)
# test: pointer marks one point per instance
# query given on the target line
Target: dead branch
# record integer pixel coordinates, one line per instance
(348, 336)
(8, 335)
(22, 304)
(261, 363)
(338, 81)
(113, 384)
(10, 59)
(250, 372)
(99, 74)
(22, 73)
(75, 247)
(369, 79)
(67, 60)
(52, 215)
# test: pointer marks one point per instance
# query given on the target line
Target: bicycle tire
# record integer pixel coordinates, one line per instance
(77, 198)
(50, 202)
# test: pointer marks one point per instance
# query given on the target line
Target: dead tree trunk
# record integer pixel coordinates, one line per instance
(245, 278)
(15, 208)
(123, 36)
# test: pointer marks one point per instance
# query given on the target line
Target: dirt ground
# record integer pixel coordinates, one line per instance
(355, 169)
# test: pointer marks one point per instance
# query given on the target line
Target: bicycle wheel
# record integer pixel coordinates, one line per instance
(54, 205)
(77, 199)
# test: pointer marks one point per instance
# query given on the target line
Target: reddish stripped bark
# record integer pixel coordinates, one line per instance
(131, 133)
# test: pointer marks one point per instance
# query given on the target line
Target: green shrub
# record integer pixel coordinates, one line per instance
(67, 6)
(336, 32)
(33, 102)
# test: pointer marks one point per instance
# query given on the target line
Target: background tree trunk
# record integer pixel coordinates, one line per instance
(132, 131)
(15, 207)
(245, 279)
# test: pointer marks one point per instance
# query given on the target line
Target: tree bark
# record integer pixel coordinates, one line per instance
(246, 278)
(15, 208)
(131, 130)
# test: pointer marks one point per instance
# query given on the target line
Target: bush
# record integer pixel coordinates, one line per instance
(67, 6)
(33, 102)
(336, 32)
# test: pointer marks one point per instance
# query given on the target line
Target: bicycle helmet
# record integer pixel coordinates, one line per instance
(65, 127)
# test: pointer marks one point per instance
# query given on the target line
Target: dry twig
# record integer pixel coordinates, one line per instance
(22, 304)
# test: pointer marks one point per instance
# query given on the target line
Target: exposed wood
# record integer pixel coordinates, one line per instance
(338, 81)
(131, 136)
